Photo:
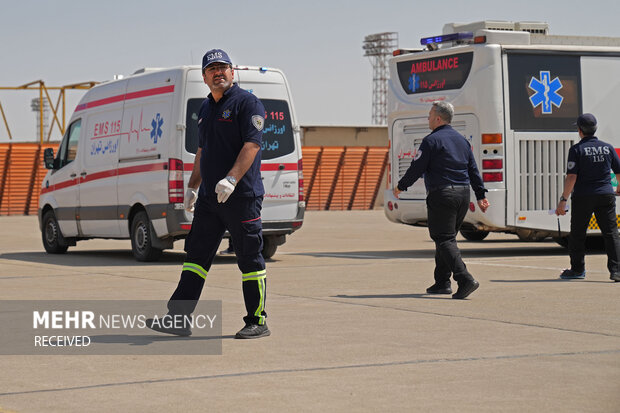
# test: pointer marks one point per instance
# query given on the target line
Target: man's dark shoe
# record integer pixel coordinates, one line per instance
(439, 289)
(615, 276)
(573, 275)
(465, 289)
(253, 331)
(168, 324)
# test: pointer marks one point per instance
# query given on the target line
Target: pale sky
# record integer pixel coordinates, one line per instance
(318, 44)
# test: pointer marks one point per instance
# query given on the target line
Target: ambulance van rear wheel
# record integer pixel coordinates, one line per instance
(53, 241)
(141, 233)
(270, 245)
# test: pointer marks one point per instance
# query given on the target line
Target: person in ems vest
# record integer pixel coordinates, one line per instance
(588, 178)
(225, 192)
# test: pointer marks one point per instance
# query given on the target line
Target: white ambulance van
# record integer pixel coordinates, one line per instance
(516, 91)
(127, 154)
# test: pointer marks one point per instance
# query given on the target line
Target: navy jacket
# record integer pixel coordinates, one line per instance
(592, 161)
(444, 158)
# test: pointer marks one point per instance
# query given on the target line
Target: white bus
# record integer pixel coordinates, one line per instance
(517, 92)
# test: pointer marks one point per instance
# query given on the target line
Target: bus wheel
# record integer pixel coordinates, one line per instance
(53, 241)
(528, 235)
(474, 234)
(269, 247)
(141, 232)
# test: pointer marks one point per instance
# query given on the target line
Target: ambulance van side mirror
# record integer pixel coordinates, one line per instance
(48, 158)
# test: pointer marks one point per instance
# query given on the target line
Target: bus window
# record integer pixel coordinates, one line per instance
(545, 92)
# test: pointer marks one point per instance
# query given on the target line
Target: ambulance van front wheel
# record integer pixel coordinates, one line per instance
(141, 244)
(53, 241)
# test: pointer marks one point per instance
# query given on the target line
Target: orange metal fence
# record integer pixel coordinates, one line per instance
(343, 178)
(336, 178)
(21, 174)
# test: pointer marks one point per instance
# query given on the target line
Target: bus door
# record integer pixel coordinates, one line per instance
(407, 135)
(538, 179)
(543, 102)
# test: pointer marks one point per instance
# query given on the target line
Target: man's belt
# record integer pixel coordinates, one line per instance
(440, 187)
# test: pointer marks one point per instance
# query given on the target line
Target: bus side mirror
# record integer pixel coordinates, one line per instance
(48, 158)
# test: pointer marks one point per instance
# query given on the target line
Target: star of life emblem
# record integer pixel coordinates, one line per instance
(546, 92)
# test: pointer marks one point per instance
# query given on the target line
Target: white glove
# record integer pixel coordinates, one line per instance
(190, 199)
(223, 189)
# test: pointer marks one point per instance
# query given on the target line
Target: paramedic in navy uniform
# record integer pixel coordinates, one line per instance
(225, 191)
(446, 160)
(588, 177)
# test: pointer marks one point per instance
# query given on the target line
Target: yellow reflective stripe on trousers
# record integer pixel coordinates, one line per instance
(256, 275)
(195, 268)
(261, 305)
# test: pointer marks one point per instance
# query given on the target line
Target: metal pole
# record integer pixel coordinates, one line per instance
(41, 111)
(5, 122)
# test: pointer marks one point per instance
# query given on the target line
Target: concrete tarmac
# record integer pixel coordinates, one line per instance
(352, 327)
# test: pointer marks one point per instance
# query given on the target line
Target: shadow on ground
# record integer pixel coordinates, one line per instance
(469, 249)
(430, 253)
(94, 258)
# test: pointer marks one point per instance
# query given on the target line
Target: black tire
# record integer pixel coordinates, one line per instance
(141, 245)
(474, 234)
(269, 247)
(53, 241)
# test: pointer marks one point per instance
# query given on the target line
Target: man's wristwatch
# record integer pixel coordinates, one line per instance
(562, 199)
(232, 180)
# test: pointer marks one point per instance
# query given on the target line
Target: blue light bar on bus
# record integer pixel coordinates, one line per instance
(447, 38)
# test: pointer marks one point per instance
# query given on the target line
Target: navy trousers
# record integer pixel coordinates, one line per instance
(604, 209)
(242, 218)
(446, 210)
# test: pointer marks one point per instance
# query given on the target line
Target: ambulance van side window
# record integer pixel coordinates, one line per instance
(68, 147)
(191, 125)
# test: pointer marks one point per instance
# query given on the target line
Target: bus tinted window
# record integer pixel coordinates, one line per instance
(545, 92)
(278, 139)
(434, 74)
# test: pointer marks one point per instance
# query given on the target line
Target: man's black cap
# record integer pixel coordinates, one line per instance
(586, 121)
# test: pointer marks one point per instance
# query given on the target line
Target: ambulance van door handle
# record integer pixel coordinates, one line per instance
(83, 174)
(281, 167)
(72, 175)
